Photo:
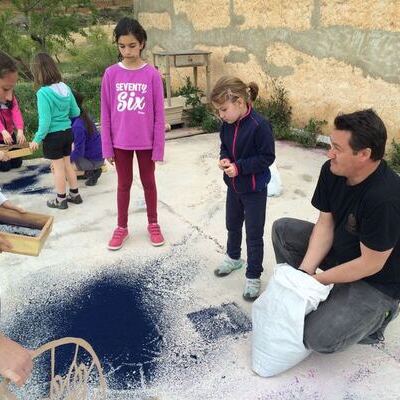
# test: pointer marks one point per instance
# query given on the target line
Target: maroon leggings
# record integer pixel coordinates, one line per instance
(124, 165)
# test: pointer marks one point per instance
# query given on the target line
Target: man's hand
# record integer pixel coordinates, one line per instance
(5, 245)
(309, 271)
(11, 206)
(15, 361)
(111, 160)
(224, 163)
(231, 171)
(4, 156)
(20, 136)
(33, 146)
(7, 137)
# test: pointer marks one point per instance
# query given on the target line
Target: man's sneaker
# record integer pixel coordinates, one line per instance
(77, 199)
(93, 177)
(62, 205)
(378, 336)
(118, 238)
(228, 265)
(156, 237)
(251, 289)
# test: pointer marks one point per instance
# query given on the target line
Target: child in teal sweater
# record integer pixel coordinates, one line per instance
(56, 107)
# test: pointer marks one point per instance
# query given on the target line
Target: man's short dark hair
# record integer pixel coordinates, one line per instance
(367, 131)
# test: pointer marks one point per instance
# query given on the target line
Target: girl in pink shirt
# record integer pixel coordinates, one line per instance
(132, 121)
(10, 113)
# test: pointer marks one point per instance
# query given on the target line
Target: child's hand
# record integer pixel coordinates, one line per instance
(231, 171)
(224, 163)
(11, 206)
(20, 136)
(16, 361)
(4, 156)
(111, 160)
(33, 146)
(7, 137)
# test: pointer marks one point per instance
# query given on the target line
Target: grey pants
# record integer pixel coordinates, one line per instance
(352, 313)
(84, 164)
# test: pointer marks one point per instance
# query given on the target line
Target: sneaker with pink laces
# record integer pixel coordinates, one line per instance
(156, 237)
(118, 238)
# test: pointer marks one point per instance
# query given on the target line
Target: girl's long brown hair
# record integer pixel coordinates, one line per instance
(44, 70)
(87, 121)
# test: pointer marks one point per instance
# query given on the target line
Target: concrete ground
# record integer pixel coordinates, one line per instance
(203, 325)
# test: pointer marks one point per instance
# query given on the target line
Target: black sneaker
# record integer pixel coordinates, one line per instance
(93, 177)
(82, 177)
(62, 205)
(74, 199)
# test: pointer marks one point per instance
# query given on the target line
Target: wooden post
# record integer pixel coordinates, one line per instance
(195, 76)
(168, 79)
(208, 75)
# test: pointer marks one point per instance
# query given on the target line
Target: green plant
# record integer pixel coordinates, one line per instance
(211, 123)
(394, 156)
(27, 101)
(309, 134)
(199, 114)
(90, 89)
(94, 56)
(196, 109)
(277, 110)
(50, 23)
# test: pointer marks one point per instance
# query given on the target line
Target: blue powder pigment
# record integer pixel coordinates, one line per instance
(29, 184)
(44, 169)
(109, 314)
(215, 322)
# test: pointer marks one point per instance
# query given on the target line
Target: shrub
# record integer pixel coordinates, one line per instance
(394, 156)
(211, 123)
(308, 136)
(90, 89)
(199, 114)
(95, 55)
(26, 95)
(277, 110)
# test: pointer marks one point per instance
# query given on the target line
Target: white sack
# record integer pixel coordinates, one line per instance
(278, 319)
(275, 184)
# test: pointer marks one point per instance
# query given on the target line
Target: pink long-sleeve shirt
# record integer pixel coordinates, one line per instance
(11, 119)
(132, 110)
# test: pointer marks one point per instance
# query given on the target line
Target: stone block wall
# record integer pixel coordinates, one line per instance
(331, 55)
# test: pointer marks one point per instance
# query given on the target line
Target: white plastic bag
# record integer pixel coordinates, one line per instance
(275, 184)
(278, 319)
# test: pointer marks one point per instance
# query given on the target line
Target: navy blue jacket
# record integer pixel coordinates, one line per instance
(249, 143)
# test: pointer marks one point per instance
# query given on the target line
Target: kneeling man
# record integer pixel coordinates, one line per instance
(355, 241)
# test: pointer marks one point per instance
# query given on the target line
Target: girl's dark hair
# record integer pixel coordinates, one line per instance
(7, 65)
(367, 131)
(130, 26)
(87, 121)
(44, 70)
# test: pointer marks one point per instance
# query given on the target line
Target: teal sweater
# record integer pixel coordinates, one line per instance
(56, 106)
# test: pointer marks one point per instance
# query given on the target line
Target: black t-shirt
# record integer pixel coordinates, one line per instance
(368, 212)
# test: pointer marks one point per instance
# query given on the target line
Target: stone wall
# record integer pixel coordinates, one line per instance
(331, 55)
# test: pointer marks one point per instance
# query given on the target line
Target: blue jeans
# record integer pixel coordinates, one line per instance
(353, 312)
(250, 209)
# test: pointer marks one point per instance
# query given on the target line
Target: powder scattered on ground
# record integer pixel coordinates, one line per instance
(19, 230)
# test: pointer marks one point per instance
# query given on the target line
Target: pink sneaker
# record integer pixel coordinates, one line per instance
(156, 237)
(118, 238)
